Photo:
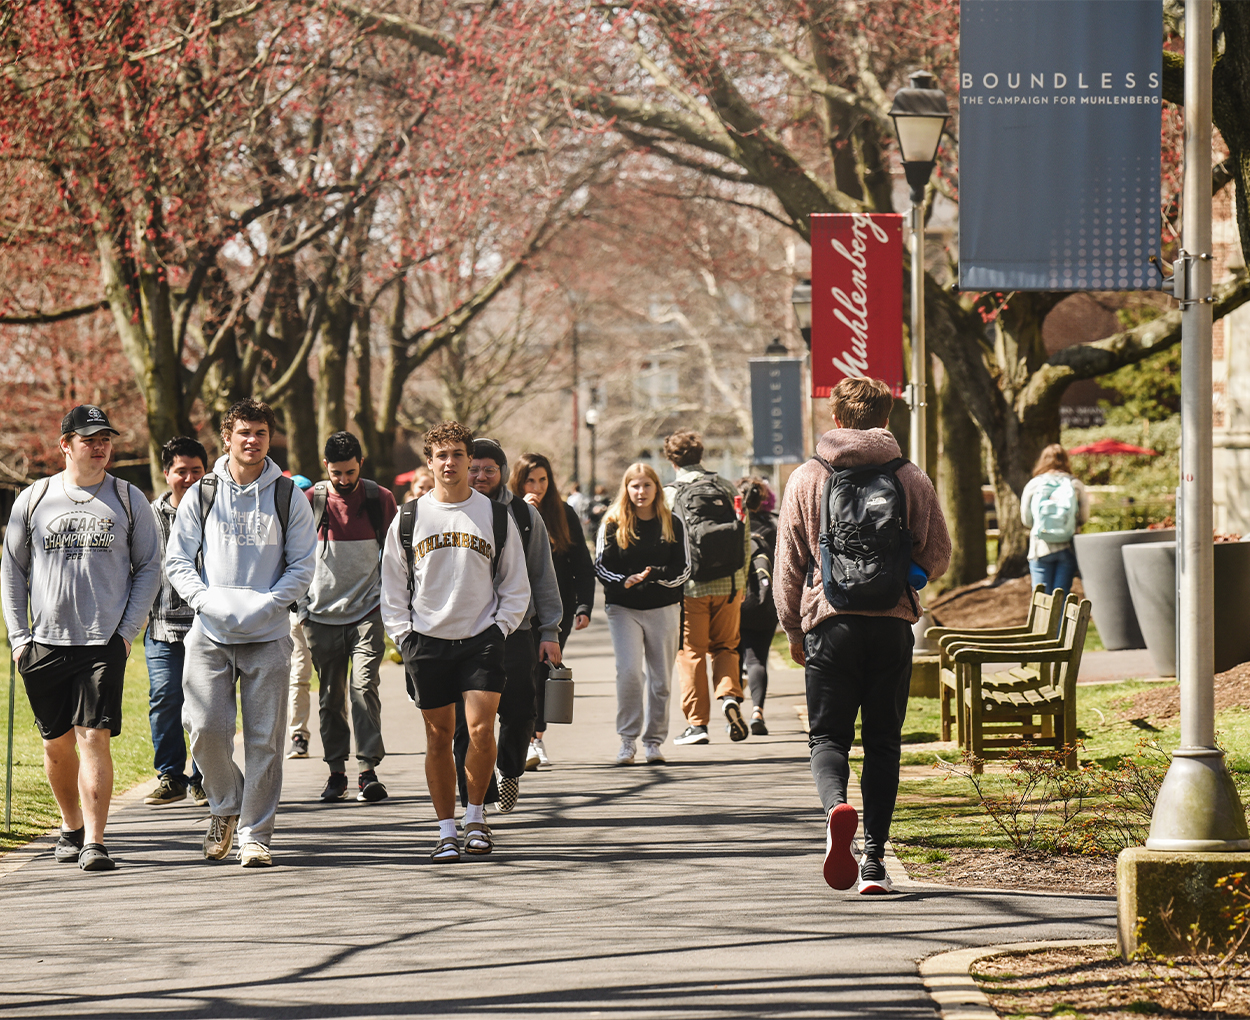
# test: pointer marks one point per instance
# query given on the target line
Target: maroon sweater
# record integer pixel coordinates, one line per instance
(801, 606)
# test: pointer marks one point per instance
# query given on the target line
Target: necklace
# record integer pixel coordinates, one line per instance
(81, 502)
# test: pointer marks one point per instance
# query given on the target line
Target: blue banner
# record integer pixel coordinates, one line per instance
(1059, 125)
(777, 410)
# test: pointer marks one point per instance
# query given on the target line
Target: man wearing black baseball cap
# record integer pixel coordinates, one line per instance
(81, 555)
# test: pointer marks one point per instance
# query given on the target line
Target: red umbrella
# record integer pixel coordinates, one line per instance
(1106, 446)
(406, 477)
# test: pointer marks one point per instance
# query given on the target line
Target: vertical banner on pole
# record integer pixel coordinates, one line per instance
(857, 299)
(777, 410)
(1059, 117)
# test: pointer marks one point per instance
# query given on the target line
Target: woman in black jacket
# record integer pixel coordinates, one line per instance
(642, 560)
(533, 480)
(758, 622)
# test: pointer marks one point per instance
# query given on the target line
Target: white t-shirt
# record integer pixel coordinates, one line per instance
(454, 595)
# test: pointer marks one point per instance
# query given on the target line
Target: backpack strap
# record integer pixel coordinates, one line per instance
(37, 491)
(320, 493)
(123, 497)
(283, 490)
(208, 496)
(373, 507)
(408, 528)
(499, 513)
(520, 509)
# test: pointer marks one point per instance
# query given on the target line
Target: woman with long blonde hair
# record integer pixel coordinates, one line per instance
(642, 560)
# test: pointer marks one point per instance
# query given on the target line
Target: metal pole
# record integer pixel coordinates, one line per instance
(591, 430)
(8, 767)
(577, 414)
(1197, 809)
(916, 440)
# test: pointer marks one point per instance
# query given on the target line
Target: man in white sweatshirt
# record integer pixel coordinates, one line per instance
(241, 554)
(454, 586)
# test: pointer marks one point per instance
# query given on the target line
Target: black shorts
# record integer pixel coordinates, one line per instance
(438, 671)
(75, 685)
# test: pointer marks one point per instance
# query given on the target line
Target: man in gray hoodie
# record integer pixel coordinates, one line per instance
(252, 533)
(518, 708)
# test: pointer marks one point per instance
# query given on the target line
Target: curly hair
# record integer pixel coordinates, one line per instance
(447, 433)
(683, 448)
(248, 409)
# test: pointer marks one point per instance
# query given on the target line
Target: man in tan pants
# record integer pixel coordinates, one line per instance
(720, 550)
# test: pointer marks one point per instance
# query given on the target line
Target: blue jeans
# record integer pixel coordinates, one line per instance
(165, 659)
(1055, 570)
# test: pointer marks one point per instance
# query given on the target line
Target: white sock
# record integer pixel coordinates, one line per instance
(474, 813)
(446, 828)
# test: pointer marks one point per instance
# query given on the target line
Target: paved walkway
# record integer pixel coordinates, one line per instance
(690, 890)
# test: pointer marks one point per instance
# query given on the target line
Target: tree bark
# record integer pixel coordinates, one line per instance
(959, 488)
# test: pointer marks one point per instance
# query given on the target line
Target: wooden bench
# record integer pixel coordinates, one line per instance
(1042, 623)
(1024, 705)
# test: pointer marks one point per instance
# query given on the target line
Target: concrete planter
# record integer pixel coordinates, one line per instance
(1151, 573)
(1102, 573)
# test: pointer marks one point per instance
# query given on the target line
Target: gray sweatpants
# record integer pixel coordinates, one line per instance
(335, 648)
(645, 643)
(262, 671)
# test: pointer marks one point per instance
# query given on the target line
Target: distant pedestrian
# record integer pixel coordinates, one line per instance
(184, 461)
(299, 704)
(596, 506)
(720, 547)
(533, 480)
(856, 655)
(341, 614)
(422, 482)
(1053, 506)
(759, 613)
(580, 502)
(251, 534)
(642, 559)
(536, 639)
(80, 570)
(454, 585)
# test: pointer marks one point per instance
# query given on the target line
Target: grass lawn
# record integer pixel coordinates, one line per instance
(34, 810)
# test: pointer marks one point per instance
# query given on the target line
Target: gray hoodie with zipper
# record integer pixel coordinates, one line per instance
(250, 576)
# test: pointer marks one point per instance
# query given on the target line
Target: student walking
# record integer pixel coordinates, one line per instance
(184, 461)
(720, 547)
(758, 619)
(849, 621)
(1053, 506)
(299, 704)
(80, 570)
(642, 559)
(252, 532)
(533, 480)
(523, 649)
(454, 586)
(342, 616)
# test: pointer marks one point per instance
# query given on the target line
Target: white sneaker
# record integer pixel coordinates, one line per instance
(543, 760)
(653, 754)
(255, 855)
(625, 756)
(531, 758)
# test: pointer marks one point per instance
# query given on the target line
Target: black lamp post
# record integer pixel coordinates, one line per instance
(920, 114)
(592, 419)
(801, 299)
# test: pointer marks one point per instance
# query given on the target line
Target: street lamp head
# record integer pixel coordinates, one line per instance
(592, 417)
(920, 113)
(801, 298)
(776, 349)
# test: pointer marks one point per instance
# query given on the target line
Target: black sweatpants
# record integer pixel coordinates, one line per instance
(753, 648)
(858, 666)
(516, 714)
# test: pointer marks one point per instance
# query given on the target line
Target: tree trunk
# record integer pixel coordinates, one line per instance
(959, 488)
(331, 394)
(300, 411)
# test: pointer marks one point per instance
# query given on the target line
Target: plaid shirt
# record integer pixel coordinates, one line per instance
(735, 582)
(171, 618)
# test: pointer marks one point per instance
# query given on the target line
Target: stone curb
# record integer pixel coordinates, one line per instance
(948, 981)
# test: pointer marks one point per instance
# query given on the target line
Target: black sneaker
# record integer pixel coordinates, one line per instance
(692, 735)
(299, 748)
(758, 729)
(68, 846)
(368, 787)
(735, 725)
(872, 877)
(197, 794)
(336, 787)
(168, 791)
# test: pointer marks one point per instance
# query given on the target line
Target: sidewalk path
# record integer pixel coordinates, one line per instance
(689, 890)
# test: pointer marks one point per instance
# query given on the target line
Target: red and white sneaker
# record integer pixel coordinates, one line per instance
(841, 868)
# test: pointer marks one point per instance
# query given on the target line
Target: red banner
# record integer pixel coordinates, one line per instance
(857, 299)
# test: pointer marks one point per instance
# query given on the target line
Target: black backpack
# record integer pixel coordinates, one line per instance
(758, 609)
(373, 507)
(715, 534)
(408, 528)
(865, 544)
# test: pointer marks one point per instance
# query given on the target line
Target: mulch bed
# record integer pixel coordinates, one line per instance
(986, 604)
(1002, 869)
(1232, 690)
(1092, 981)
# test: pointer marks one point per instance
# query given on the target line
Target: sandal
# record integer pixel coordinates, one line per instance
(93, 857)
(478, 839)
(446, 851)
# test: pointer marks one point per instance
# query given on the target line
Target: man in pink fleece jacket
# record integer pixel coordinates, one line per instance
(855, 661)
